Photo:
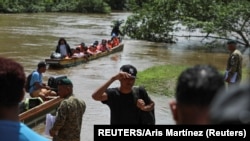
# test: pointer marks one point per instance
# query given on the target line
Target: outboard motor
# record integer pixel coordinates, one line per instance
(53, 81)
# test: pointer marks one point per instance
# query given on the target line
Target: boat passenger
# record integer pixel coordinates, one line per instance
(77, 53)
(93, 50)
(115, 41)
(85, 52)
(109, 44)
(116, 28)
(103, 46)
(63, 48)
(82, 46)
(96, 43)
(38, 88)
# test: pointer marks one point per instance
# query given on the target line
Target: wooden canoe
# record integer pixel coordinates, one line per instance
(37, 115)
(64, 63)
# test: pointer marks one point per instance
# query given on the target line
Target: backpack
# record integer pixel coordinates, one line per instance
(29, 103)
(27, 83)
(146, 118)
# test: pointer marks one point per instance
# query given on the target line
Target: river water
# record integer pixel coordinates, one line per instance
(30, 38)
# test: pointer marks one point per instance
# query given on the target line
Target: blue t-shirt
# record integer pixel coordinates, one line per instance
(17, 131)
(36, 77)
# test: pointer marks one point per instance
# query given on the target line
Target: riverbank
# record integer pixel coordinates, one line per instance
(162, 79)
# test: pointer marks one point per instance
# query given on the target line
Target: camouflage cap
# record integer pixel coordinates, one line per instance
(65, 81)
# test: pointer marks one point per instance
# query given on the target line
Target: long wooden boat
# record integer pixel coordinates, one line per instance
(37, 115)
(69, 62)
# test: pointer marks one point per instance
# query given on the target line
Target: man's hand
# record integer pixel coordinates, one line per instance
(141, 104)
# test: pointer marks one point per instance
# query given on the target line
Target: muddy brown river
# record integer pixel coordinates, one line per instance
(30, 38)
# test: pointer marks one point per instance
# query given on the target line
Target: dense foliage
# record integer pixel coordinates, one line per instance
(34, 6)
(159, 20)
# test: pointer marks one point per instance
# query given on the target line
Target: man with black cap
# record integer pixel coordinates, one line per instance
(125, 108)
(68, 122)
(38, 88)
(234, 64)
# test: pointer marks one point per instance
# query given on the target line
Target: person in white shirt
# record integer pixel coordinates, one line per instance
(63, 48)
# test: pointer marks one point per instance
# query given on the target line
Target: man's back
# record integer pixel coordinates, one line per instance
(70, 112)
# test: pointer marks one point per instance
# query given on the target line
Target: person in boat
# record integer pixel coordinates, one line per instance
(63, 48)
(115, 40)
(38, 88)
(93, 50)
(84, 50)
(103, 46)
(195, 90)
(96, 44)
(82, 46)
(68, 121)
(116, 29)
(12, 80)
(125, 108)
(110, 44)
(77, 53)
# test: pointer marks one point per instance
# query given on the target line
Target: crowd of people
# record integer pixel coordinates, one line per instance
(201, 96)
(63, 49)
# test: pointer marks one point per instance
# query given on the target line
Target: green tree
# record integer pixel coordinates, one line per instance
(159, 20)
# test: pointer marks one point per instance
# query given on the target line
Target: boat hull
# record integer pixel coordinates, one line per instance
(37, 115)
(70, 62)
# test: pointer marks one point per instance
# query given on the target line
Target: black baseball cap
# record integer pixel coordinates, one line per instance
(129, 69)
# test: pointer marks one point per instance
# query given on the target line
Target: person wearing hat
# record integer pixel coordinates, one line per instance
(38, 88)
(124, 107)
(233, 72)
(68, 121)
(12, 80)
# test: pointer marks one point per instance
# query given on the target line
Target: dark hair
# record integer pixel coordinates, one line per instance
(62, 39)
(41, 64)
(82, 44)
(12, 79)
(198, 85)
(232, 42)
(231, 106)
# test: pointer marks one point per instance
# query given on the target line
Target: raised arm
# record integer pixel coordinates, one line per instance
(100, 94)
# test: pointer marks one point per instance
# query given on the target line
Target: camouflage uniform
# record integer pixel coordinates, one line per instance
(234, 64)
(69, 119)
